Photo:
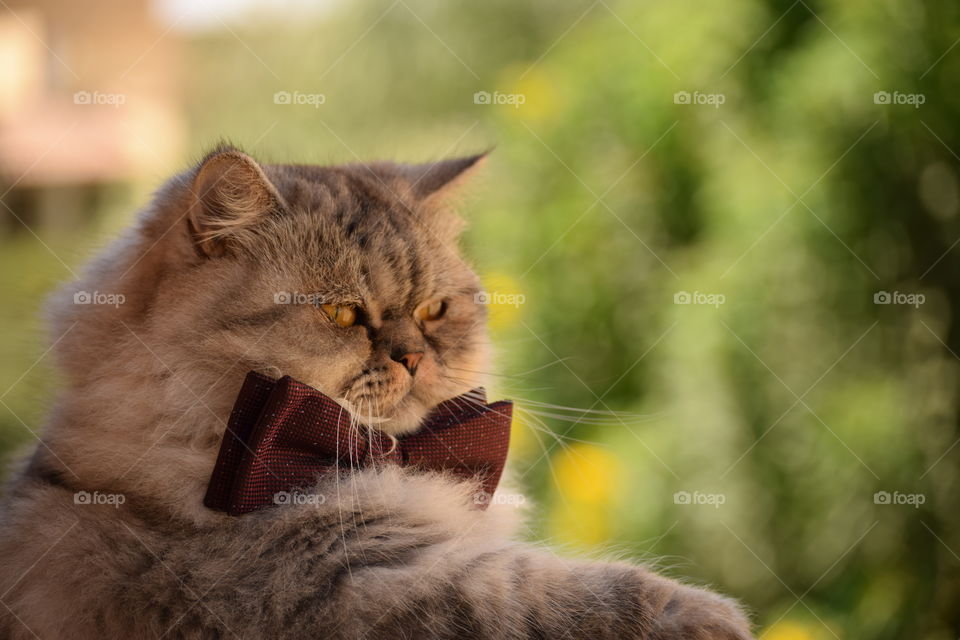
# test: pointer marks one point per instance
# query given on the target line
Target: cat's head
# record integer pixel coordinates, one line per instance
(347, 278)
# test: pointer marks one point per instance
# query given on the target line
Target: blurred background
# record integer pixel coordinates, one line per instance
(718, 241)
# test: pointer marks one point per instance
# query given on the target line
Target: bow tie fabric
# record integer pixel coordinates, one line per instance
(283, 433)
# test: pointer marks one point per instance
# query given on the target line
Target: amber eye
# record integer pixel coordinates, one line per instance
(430, 311)
(343, 316)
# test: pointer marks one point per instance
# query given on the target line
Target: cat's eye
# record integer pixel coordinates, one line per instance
(432, 310)
(342, 315)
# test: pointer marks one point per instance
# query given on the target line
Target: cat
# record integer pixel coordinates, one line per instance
(103, 533)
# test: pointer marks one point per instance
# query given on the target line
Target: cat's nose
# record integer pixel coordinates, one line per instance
(408, 360)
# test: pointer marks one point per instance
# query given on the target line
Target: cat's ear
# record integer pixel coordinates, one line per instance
(229, 195)
(437, 179)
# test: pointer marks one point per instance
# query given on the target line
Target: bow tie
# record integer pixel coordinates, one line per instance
(282, 434)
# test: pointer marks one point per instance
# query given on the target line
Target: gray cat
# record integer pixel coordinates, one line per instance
(103, 531)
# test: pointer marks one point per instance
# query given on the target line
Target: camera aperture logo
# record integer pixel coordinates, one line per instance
(298, 98)
(899, 297)
(296, 297)
(299, 498)
(99, 297)
(710, 99)
(698, 297)
(500, 299)
(115, 100)
(86, 497)
(515, 100)
(912, 99)
(896, 498)
(714, 500)
(500, 497)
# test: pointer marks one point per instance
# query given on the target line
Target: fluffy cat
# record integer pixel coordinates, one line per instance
(390, 325)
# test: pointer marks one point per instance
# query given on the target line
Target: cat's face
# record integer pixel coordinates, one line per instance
(347, 279)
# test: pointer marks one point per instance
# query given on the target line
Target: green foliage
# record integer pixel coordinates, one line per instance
(797, 199)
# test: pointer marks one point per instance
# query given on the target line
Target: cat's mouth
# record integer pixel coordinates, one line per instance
(373, 395)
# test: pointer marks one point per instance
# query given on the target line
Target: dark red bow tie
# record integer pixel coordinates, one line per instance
(282, 434)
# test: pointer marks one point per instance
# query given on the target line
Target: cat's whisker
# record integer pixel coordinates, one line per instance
(472, 383)
(608, 412)
(512, 375)
(577, 415)
(535, 425)
(613, 421)
(471, 398)
(600, 417)
(562, 438)
(491, 374)
(549, 459)
(356, 495)
(338, 481)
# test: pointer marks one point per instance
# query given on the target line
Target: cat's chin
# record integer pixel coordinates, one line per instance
(404, 418)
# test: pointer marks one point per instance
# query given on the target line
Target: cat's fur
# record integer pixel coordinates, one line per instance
(391, 553)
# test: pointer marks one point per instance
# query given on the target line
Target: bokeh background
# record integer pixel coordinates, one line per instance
(726, 229)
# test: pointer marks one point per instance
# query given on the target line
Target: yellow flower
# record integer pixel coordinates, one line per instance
(788, 631)
(588, 479)
(523, 441)
(579, 525)
(587, 473)
(535, 97)
(503, 298)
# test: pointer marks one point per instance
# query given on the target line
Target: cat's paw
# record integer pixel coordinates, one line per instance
(695, 614)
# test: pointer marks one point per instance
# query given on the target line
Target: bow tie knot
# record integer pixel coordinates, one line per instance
(282, 434)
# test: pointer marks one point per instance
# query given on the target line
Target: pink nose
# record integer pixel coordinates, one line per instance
(410, 360)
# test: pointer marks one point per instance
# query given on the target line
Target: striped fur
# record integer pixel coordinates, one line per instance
(378, 553)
